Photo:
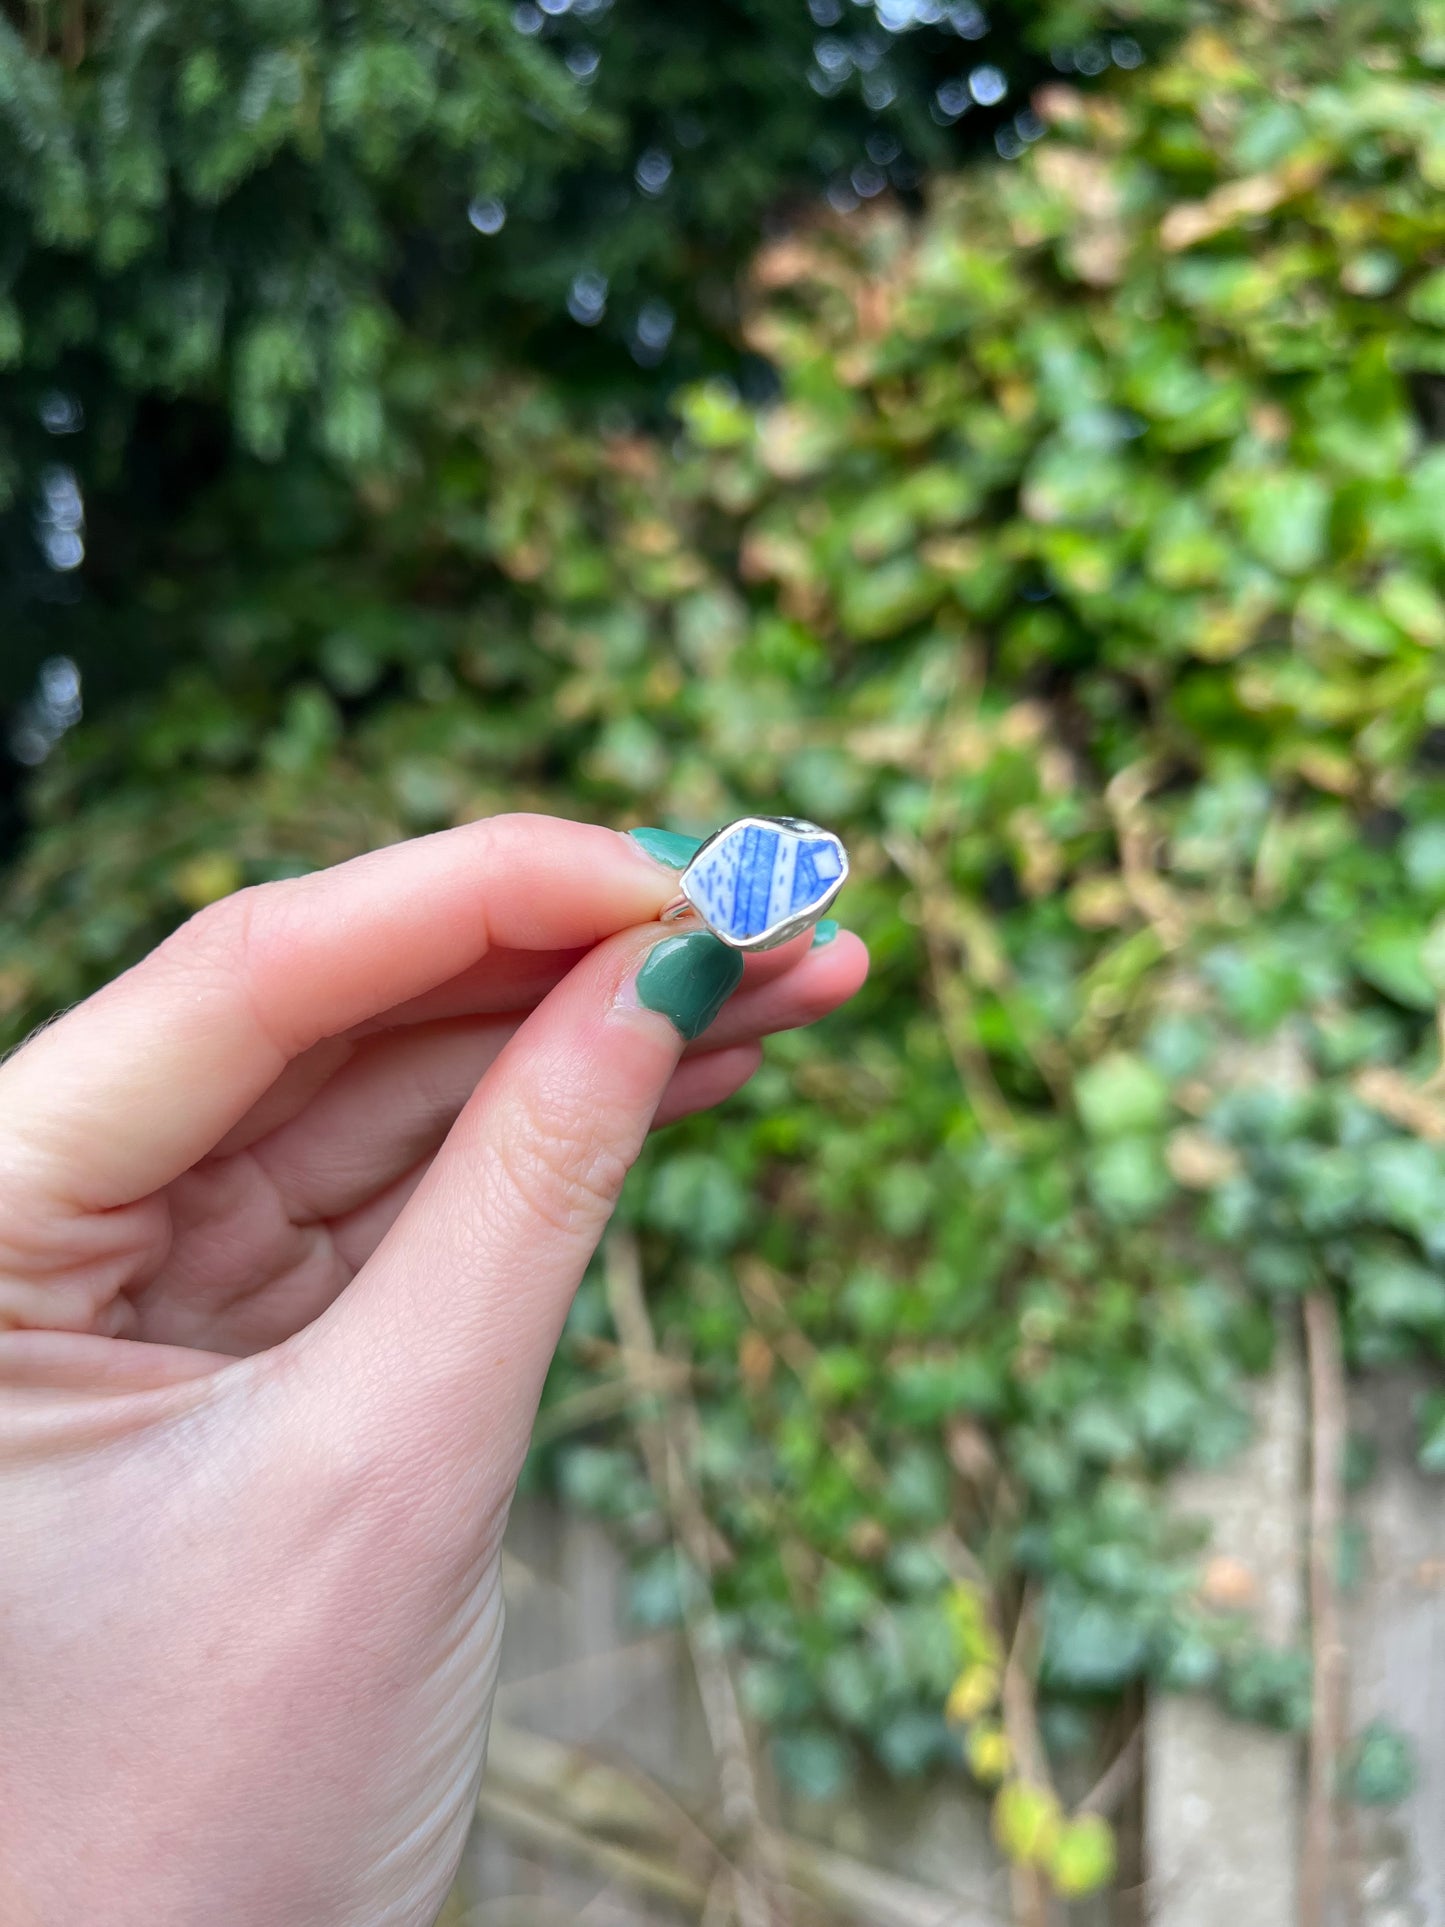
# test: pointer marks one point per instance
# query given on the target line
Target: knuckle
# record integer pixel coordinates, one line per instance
(512, 835)
(236, 940)
(564, 1171)
(224, 931)
(508, 823)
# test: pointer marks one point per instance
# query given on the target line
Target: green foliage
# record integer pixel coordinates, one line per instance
(1382, 1770)
(219, 226)
(1085, 576)
(1084, 1856)
(1026, 1823)
(1431, 1421)
(216, 195)
(245, 203)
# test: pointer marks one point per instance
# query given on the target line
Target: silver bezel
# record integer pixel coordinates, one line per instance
(791, 926)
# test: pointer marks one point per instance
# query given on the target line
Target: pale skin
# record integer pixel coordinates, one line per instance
(291, 1215)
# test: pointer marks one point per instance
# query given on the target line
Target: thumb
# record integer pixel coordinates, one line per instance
(444, 1338)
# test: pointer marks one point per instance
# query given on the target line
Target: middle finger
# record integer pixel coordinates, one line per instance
(391, 1105)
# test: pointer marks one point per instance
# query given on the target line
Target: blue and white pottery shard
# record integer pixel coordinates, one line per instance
(765, 879)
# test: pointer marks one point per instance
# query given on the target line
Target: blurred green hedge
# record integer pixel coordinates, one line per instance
(245, 203)
(220, 224)
(1087, 577)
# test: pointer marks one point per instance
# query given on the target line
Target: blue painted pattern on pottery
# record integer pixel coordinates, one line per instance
(759, 875)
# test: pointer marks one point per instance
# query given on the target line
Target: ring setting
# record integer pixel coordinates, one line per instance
(762, 880)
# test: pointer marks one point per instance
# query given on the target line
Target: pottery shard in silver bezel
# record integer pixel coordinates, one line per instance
(790, 926)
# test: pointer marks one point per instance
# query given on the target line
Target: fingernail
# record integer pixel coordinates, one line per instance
(689, 979)
(668, 846)
(824, 931)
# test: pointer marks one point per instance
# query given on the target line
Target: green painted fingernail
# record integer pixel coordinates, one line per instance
(689, 979)
(824, 930)
(668, 846)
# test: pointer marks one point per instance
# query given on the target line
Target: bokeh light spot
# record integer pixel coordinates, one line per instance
(487, 216)
(653, 170)
(587, 297)
(987, 85)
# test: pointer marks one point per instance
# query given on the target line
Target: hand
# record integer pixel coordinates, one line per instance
(290, 1218)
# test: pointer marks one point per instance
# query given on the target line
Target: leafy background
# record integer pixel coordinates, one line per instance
(1062, 521)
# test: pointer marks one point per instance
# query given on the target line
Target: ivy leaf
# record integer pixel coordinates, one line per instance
(1026, 1822)
(1422, 849)
(1405, 1187)
(1390, 956)
(655, 1594)
(696, 1197)
(910, 1742)
(1430, 1433)
(1129, 1177)
(882, 601)
(1381, 1770)
(1121, 1094)
(850, 1686)
(1285, 519)
(1427, 300)
(1393, 1290)
(814, 1762)
(1432, 957)
(1084, 1856)
(1271, 1686)
(1090, 1645)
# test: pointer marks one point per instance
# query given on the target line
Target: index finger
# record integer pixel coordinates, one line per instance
(132, 1087)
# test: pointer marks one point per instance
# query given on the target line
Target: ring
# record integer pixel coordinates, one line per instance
(760, 881)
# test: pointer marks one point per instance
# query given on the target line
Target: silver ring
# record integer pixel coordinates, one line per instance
(762, 880)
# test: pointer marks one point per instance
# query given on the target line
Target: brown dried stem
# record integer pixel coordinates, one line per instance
(950, 990)
(760, 1898)
(1327, 1646)
(1032, 1901)
(1112, 1786)
(1149, 893)
(564, 1800)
